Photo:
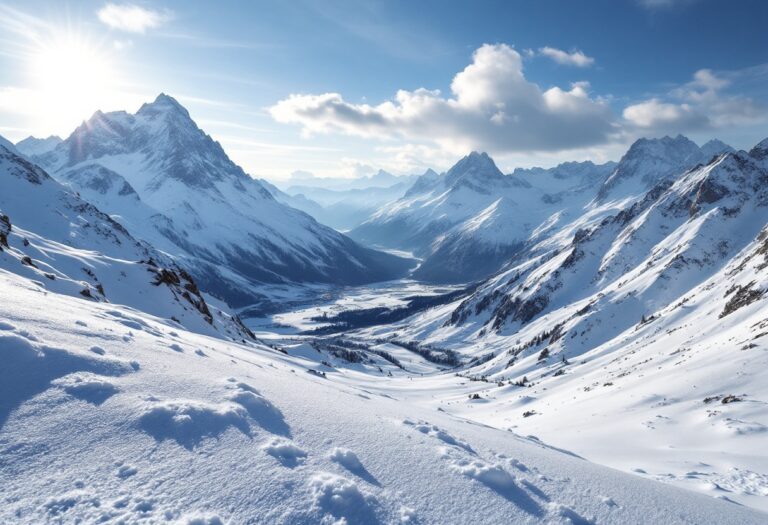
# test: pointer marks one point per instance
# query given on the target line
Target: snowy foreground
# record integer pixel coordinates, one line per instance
(110, 415)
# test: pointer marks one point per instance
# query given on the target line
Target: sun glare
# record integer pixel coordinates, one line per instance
(71, 77)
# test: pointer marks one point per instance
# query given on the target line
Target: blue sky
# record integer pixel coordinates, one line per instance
(343, 88)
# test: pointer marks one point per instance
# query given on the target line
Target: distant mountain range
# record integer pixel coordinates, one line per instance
(468, 222)
(342, 209)
(380, 179)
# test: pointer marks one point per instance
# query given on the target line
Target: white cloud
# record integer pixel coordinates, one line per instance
(131, 18)
(574, 58)
(355, 168)
(415, 158)
(654, 113)
(492, 106)
(698, 104)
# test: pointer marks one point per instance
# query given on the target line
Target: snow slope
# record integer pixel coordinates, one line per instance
(634, 338)
(233, 234)
(65, 245)
(100, 422)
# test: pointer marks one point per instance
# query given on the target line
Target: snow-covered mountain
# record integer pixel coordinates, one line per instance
(342, 209)
(8, 145)
(650, 161)
(760, 153)
(467, 222)
(223, 225)
(380, 179)
(64, 245)
(644, 321)
(31, 146)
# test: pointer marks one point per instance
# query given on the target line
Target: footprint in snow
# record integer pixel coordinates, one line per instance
(518, 465)
(442, 435)
(561, 511)
(133, 325)
(286, 452)
(126, 471)
(349, 460)
(188, 421)
(87, 387)
(261, 410)
(496, 478)
(340, 498)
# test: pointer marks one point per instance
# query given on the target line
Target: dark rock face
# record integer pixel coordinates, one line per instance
(5, 230)
(742, 296)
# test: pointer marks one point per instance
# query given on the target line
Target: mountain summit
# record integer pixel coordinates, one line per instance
(650, 161)
(469, 221)
(226, 225)
(476, 171)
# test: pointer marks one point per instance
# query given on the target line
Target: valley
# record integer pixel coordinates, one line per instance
(560, 345)
(644, 404)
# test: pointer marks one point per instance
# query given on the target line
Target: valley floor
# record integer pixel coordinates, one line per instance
(109, 415)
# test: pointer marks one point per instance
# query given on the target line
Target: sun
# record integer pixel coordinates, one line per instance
(71, 76)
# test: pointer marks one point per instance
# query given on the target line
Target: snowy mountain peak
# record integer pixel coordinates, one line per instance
(163, 104)
(474, 170)
(649, 161)
(679, 146)
(423, 183)
(715, 147)
(480, 159)
(35, 146)
(158, 169)
(760, 151)
(7, 144)
(162, 140)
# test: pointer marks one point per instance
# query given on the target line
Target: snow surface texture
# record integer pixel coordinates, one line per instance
(242, 434)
